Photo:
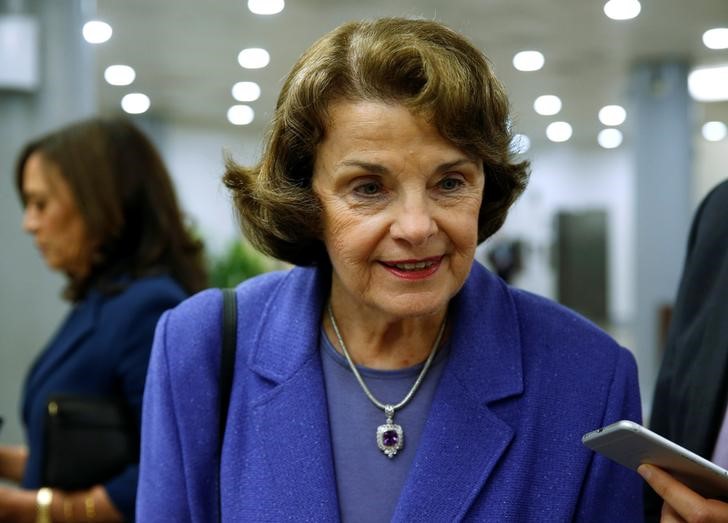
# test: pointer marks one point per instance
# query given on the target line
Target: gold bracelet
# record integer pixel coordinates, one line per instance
(90, 505)
(43, 500)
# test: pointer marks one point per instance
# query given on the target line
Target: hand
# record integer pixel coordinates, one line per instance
(16, 505)
(681, 503)
(12, 462)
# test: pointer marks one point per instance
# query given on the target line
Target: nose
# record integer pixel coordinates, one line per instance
(414, 222)
(30, 220)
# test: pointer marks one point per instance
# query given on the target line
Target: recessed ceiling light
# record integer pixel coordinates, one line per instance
(709, 84)
(135, 103)
(96, 32)
(266, 7)
(253, 58)
(612, 115)
(622, 9)
(610, 138)
(547, 105)
(246, 91)
(240, 114)
(714, 131)
(559, 131)
(520, 144)
(716, 38)
(119, 75)
(528, 61)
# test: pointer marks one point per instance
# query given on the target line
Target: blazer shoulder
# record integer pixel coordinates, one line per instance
(149, 289)
(549, 323)
(594, 370)
(251, 292)
(189, 336)
(201, 313)
(718, 196)
(143, 298)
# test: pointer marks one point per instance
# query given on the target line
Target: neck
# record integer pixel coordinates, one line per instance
(385, 344)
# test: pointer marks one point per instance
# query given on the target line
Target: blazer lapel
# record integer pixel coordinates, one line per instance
(461, 446)
(294, 425)
(79, 324)
(292, 418)
(464, 439)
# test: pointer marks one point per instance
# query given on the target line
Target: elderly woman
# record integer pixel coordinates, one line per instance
(389, 377)
(101, 208)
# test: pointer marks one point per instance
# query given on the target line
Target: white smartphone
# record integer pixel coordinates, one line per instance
(630, 444)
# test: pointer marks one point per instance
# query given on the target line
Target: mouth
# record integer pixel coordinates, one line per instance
(413, 269)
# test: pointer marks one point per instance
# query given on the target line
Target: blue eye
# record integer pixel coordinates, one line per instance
(368, 189)
(450, 184)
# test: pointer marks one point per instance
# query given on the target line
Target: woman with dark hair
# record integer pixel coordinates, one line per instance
(389, 376)
(101, 208)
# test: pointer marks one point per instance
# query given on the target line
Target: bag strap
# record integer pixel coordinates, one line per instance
(227, 368)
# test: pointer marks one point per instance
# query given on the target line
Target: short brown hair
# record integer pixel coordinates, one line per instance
(127, 201)
(424, 65)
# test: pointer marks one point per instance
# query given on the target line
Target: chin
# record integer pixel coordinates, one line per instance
(416, 306)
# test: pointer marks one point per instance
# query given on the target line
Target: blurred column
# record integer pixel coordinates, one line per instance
(661, 123)
(30, 308)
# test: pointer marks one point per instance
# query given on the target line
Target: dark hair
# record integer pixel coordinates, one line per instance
(126, 199)
(424, 65)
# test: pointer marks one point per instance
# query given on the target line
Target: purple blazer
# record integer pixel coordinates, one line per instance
(525, 378)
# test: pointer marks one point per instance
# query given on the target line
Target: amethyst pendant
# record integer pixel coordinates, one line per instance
(390, 438)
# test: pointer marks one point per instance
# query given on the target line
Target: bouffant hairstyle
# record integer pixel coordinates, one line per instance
(430, 69)
(127, 202)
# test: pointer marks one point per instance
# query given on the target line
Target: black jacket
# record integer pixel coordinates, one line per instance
(692, 386)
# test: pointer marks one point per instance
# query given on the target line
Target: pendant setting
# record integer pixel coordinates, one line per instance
(390, 437)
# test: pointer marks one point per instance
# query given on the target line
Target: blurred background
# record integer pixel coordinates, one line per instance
(620, 106)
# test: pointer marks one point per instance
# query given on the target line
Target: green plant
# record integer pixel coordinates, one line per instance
(238, 262)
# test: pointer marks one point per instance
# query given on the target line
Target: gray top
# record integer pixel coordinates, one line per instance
(368, 482)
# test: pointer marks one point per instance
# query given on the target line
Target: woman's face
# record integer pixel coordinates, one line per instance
(400, 210)
(52, 217)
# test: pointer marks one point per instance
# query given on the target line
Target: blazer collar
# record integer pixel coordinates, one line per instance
(486, 338)
(288, 329)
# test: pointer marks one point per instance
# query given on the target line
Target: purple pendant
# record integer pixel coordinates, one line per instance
(390, 438)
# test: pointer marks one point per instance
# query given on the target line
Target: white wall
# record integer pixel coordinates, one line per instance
(711, 166)
(195, 159)
(568, 179)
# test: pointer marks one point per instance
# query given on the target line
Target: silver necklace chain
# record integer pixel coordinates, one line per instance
(388, 409)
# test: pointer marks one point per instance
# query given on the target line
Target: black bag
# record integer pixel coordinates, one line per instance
(87, 441)
(227, 368)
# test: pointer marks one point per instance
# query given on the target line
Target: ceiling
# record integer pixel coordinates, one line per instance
(185, 51)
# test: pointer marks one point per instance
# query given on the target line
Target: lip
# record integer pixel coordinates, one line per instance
(433, 266)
